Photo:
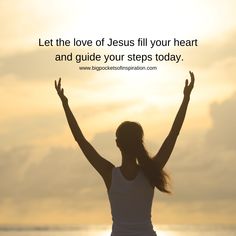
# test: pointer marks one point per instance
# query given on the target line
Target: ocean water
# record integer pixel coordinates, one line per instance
(162, 230)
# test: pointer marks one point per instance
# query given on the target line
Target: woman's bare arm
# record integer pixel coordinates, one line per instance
(166, 149)
(103, 166)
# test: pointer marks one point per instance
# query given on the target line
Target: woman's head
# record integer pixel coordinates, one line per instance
(129, 135)
(129, 138)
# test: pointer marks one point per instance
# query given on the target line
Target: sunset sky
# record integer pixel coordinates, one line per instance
(45, 179)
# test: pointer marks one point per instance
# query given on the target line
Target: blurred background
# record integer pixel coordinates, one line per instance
(45, 179)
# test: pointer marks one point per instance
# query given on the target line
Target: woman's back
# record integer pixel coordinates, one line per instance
(131, 203)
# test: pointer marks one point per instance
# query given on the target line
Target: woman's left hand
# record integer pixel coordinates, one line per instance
(188, 87)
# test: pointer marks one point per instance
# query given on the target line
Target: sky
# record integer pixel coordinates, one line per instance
(45, 179)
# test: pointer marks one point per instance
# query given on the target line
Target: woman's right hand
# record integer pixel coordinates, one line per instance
(60, 91)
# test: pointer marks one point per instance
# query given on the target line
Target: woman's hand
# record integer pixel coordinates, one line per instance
(188, 87)
(60, 91)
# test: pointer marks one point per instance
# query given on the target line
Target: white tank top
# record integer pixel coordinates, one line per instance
(131, 203)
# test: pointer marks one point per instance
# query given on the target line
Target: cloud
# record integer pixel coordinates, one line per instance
(222, 132)
(60, 181)
(41, 64)
(204, 170)
(22, 129)
(211, 52)
(62, 175)
(105, 143)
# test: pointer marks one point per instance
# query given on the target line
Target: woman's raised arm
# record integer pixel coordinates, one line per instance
(166, 149)
(103, 166)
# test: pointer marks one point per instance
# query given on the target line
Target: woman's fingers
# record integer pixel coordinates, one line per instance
(192, 77)
(58, 87)
(186, 83)
(192, 80)
(189, 85)
(55, 83)
(59, 82)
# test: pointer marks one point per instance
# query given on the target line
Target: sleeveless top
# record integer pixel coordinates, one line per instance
(131, 203)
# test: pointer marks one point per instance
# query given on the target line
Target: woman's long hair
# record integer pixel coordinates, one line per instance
(130, 139)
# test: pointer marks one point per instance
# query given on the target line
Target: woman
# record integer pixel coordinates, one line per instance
(131, 186)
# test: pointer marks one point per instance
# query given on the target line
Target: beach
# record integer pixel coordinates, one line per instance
(104, 230)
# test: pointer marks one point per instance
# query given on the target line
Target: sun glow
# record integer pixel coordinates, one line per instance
(33, 125)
